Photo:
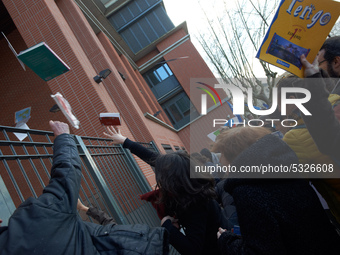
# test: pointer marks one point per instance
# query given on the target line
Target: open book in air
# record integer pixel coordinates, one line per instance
(298, 27)
(66, 109)
(110, 119)
(43, 61)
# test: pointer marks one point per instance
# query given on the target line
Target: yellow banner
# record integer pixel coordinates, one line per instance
(299, 27)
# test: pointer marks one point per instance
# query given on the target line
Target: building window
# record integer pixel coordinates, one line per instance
(170, 95)
(180, 110)
(161, 80)
(159, 74)
(177, 148)
(141, 22)
(167, 148)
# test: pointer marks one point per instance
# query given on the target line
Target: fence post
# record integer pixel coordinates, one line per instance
(136, 171)
(100, 182)
(8, 206)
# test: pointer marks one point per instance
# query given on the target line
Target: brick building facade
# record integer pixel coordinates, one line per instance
(150, 80)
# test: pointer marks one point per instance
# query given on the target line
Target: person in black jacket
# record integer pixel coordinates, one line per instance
(50, 225)
(324, 127)
(227, 203)
(323, 123)
(329, 61)
(189, 202)
(276, 216)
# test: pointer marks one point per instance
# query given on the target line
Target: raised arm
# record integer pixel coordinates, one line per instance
(61, 193)
(140, 151)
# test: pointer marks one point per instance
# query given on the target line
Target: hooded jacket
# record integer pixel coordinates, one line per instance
(50, 224)
(276, 216)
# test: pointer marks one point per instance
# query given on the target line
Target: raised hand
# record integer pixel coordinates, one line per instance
(310, 69)
(115, 135)
(59, 128)
(81, 206)
(173, 221)
(220, 232)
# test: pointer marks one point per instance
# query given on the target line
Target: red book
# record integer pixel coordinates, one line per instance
(110, 119)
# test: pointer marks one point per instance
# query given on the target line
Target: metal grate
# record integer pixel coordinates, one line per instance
(112, 180)
(123, 179)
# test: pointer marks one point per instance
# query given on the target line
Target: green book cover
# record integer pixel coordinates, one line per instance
(43, 61)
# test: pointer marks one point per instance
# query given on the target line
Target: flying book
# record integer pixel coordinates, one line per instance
(299, 27)
(110, 119)
(14, 52)
(66, 109)
(21, 119)
(23, 115)
(43, 61)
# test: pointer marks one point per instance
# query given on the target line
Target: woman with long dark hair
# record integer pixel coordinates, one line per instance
(189, 202)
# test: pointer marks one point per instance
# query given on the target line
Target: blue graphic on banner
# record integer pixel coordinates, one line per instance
(282, 63)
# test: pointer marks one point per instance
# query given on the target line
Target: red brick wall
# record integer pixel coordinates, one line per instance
(185, 69)
(194, 137)
(20, 89)
(102, 55)
(146, 58)
(64, 28)
(171, 40)
(134, 82)
(112, 88)
(162, 116)
(162, 135)
(130, 82)
(42, 21)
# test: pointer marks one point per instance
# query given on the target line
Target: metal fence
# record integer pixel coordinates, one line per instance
(119, 175)
(112, 180)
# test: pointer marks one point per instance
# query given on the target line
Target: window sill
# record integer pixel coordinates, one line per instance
(158, 121)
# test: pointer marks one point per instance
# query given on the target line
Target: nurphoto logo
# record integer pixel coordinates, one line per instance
(238, 106)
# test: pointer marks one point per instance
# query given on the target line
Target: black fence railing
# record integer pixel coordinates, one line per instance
(112, 180)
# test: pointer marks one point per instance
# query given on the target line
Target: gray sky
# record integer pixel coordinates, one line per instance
(191, 12)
